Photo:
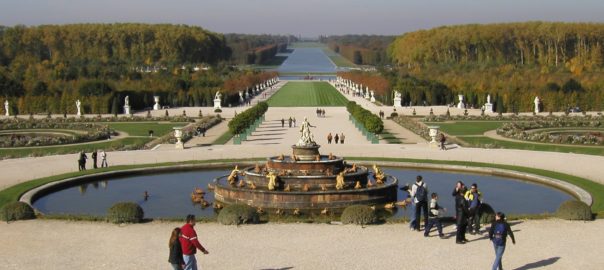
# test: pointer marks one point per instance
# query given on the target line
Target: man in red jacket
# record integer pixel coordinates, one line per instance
(190, 244)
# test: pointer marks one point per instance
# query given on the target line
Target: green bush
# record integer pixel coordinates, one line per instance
(574, 210)
(372, 122)
(236, 214)
(125, 212)
(358, 214)
(245, 119)
(487, 214)
(17, 211)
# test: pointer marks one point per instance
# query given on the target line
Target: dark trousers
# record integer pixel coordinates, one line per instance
(431, 222)
(461, 223)
(421, 207)
(94, 163)
(474, 220)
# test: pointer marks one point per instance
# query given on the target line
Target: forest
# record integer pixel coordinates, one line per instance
(256, 49)
(44, 69)
(361, 49)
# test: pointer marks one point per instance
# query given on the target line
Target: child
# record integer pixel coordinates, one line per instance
(175, 250)
(434, 217)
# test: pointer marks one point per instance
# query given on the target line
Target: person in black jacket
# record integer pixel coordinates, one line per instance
(498, 233)
(461, 213)
(175, 258)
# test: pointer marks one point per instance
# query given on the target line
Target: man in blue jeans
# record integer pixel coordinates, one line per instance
(498, 233)
(419, 193)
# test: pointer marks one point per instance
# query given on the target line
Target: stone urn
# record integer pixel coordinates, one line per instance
(178, 136)
(156, 105)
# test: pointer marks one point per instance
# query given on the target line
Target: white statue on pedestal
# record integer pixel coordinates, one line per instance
(6, 113)
(156, 105)
(488, 107)
(397, 99)
(372, 96)
(537, 104)
(306, 137)
(461, 105)
(217, 100)
(78, 104)
(127, 105)
(241, 97)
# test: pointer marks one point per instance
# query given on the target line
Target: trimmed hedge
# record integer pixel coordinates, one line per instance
(370, 121)
(574, 210)
(17, 211)
(358, 214)
(245, 119)
(125, 212)
(236, 214)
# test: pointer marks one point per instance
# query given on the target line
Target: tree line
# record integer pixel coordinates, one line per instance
(361, 49)
(256, 49)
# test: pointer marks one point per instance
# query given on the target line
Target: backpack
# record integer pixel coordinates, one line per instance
(499, 235)
(421, 194)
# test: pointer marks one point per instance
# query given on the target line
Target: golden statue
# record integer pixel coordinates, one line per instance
(272, 180)
(297, 212)
(257, 168)
(358, 185)
(287, 188)
(233, 177)
(252, 185)
(340, 181)
(317, 157)
(379, 175)
(305, 187)
(331, 157)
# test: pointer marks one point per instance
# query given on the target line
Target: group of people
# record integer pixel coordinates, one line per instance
(320, 112)
(337, 138)
(467, 215)
(183, 245)
(291, 122)
(95, 155)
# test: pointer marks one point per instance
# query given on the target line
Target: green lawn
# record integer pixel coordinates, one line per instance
(464, 128)
(307, 94)
(142, 128)
(480, 141)
(69, 149)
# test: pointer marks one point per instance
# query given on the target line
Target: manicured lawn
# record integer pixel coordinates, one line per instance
(142, 128)
(307, 94)
(69, 149)
(461, 128)
(480, 141)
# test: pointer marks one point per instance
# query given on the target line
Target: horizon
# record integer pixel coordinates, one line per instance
(309, 19)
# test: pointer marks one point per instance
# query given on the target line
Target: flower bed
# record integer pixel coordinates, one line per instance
(522, 130)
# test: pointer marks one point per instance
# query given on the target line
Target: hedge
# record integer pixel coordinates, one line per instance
(125, 212)
(370, 121)
(245, 119)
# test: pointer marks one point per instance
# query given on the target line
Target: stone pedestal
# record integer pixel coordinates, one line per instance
(397, 102)
(127, 110)
(433, 133)
(488, 108)
(156, 105)
(461, 105)
(217, 104)
(306, 153)
(178, 135)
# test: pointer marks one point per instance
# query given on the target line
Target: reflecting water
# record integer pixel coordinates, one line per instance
(170, 193)
(307, 60)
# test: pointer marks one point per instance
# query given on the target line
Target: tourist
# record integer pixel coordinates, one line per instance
(190, 244)
(336, 138)
(282, 122)
(82, 161)
(329, 137)
(434, 217)
(94, 156)
(461, 216)
(419, 192)
(175, 258)
(474, 197)
(498, 233)
(294, 121)
(342, 138)
(443, 140)
(103, 159)
(290, 121)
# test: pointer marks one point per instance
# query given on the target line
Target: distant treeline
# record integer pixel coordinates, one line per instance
(256, 49)
(361, 49)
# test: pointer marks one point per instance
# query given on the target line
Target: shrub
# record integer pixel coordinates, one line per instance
(17, 211)
(217, 110)
(236, 214)
(487, 214)
(574, 210)
(125, 212)
(358, 214)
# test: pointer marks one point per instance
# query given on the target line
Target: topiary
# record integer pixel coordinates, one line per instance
(17, 211)
(125, 212)
(487, 214)
(358, 214)
(574, 210)
(236, 214)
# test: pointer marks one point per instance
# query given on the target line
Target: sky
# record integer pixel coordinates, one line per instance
(306, 18)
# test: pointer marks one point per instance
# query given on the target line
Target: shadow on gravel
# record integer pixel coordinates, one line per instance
(539, 264)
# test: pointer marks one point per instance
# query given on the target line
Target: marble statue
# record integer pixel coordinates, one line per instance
(127, 101)
(537, 100)
(6, 113)
(78, 104)
(306, 137)
(218, 96)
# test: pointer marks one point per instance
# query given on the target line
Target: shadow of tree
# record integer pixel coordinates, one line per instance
(539, 264)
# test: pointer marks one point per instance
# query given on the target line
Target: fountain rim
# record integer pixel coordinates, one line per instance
(575, 191)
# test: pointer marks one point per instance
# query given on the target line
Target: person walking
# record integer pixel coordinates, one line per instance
(342, 138)
(461, 217)
(190, 244)
(290, 121)
(419, 192)
(443, 140)
(175, 258)
(336, 138)
(498, 234)
(474, 198)
(282, 122)
(82, 161)
(103, 159)
(434, 217)
(329, 137)
(94, 158)
(294, 121)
